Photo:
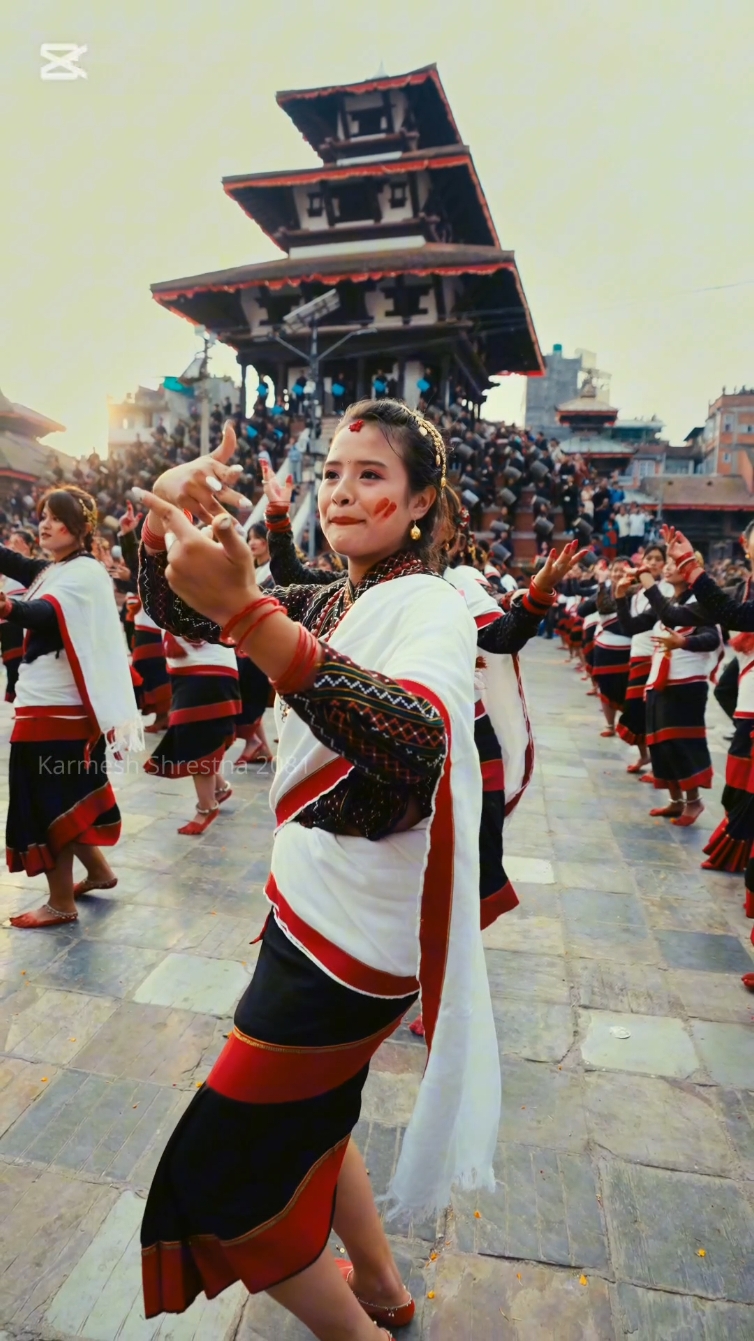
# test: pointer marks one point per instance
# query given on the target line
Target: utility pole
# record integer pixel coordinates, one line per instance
(202, 394)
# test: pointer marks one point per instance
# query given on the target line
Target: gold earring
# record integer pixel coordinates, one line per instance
(415, 533)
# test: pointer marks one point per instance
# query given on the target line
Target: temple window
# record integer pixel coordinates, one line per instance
(398, 195)
(316, 206)
(368, 121)
(352, 204)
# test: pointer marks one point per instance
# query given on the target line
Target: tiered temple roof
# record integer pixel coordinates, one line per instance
(394, 217)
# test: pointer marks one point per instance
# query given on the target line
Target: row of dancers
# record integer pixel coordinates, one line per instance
(649, 638)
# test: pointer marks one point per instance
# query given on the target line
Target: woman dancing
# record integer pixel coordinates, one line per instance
(738, 615)
(687, 651)
(74, 692)
(612, 650)
(373, 890)
(253, 685)
(12, 634)
(632, 723)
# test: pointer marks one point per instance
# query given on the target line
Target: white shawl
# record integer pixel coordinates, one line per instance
(502, 690)
(411, 900)
(94, 664)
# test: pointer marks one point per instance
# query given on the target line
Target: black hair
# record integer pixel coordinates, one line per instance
(748, 530)
(75, 508)
(422, 450)
(28, 537)
(259, 530)
(659, 547)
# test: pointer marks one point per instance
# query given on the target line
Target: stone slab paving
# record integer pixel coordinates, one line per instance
(624, 1198)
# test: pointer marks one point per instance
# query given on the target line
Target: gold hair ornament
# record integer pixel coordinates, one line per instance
(429, 430)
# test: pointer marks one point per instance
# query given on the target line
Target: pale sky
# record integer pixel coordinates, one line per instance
(613, 139)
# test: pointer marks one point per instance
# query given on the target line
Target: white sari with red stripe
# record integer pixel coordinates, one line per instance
(385, 917)
(500, 688)
(93, 670)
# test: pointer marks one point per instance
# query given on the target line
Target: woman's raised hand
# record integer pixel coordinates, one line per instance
(558, 566)
(624, 585)
(203, 484)
(278, 495)
(678, 546)
(211, 570)
(130, 520)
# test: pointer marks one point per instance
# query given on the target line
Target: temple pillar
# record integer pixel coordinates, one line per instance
(445, 381)
(360, 377)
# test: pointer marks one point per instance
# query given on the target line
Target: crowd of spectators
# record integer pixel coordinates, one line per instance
(489, 464)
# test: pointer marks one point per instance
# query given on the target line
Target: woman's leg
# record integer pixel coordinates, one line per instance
(692, 809)
(61, 901)
(675, 806)
(95, 863)
(320, 1297)
(608, 711)
(375, 1275)
(206, 803)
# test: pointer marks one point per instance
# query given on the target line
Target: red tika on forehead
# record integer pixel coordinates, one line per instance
(356, 426)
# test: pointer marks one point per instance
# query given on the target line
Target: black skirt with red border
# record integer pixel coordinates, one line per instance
(677, 735)
(730, 846)
(632, 724)
(245, 1189)
(610, 673)
(201, 726)
(148, 658)
(254, 691)
(496, 892)
(57, 796)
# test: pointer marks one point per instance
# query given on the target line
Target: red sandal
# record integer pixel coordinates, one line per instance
(398, 1316)
(195, 827)
(225, 795)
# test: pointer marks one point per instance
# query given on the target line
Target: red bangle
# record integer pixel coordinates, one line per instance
(298, 672)
(152, 541)
(253, 625)
(249, 610)
(277, 521)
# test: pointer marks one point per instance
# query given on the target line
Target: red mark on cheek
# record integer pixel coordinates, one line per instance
(385, 509)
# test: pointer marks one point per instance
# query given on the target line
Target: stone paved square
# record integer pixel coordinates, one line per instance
(617, 1161)
(656, 1046)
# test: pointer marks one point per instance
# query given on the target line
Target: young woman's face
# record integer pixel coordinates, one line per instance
(54, 536)
(365, 505)
(672, 574)
(259, 549)
(654, 560)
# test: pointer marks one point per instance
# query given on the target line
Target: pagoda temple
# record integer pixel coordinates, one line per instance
(593, 431)
(395, 219)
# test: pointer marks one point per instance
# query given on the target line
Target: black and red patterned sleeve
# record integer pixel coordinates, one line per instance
(511, 631)
(171, 613)
(386, 732)
(285, 565)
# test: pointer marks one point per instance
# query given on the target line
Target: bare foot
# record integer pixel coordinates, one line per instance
(691, 812)
(46, 916)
